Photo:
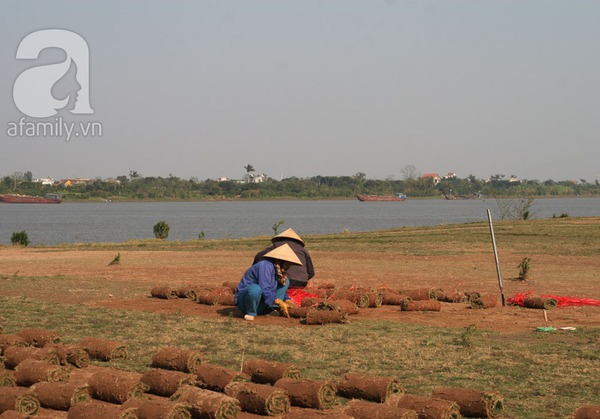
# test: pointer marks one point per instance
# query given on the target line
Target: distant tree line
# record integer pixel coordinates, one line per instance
(137, 187)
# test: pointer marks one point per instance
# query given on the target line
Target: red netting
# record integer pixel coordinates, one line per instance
(298, 294)
(563, 301)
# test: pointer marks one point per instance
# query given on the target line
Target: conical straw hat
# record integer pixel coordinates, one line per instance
(288, 234)
(284, 252)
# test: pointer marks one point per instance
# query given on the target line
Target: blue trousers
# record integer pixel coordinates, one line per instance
(250, 301)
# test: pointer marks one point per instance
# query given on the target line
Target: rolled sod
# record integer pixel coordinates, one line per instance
(297, 312)
(267, 372)
(231, 285)
(311, 301)
(328, 305)
(158, 409)
(14, 355)
(61, 396)
(164, 292)
(73, 355)
(100, 409)
(362, 409)
(484, 301)
(32, 371)
(391, 298)
(535, 301)
(201, 293)
(369, 387)
(473, 403)
(178, 359)
(361, 299)
(375, 299)
(345, 306)
(309, 393)
(421, 305)
(472, 294)
(186, 291)
(427, 407)
(7, 378)
(166, 382)
(39, 337)
(588, 411)
(19, 399)
(419, 294)
(216, 378)
(259, 398)
(191, 294)
(116, 386)
(207, 403)
(10, 340)
(221, 296)
(315, 315)
(104, 349)
(453, 297)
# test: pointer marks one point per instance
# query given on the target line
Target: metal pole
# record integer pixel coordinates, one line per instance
(489, 214)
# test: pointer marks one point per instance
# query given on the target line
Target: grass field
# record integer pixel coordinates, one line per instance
(540, 375)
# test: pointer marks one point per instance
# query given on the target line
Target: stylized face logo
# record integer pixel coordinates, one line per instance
(32, 91)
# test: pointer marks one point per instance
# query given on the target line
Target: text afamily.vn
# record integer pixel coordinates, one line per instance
(59, 128)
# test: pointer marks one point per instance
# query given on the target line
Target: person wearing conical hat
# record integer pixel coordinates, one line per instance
(299, 275)
(264, 285)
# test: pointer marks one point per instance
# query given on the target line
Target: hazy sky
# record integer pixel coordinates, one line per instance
(305, 88)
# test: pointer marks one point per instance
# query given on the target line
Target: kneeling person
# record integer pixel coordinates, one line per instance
(264, 285)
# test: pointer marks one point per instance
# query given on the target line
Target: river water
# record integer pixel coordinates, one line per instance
(118, 222)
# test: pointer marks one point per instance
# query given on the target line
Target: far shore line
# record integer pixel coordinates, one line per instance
(420, 198)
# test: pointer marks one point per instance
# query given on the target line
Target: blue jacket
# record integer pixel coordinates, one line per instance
(263, 274)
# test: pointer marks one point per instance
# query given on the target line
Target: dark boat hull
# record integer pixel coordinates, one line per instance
(26, 199)
(380, 198)
(457, 197)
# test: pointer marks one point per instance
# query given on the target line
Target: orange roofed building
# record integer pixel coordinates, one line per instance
(434, 176)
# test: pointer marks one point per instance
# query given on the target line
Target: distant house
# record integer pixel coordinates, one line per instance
(45, 181)
(223, 179)
(450, 175)
(433, 176)
(252, 178)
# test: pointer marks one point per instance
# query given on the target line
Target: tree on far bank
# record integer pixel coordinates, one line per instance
(409, 172)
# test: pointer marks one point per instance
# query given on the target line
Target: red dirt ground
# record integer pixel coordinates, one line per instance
(141, 270)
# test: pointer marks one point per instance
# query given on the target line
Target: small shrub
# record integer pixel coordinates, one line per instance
(524, 268)
(466, 337)
(201, 235)
(20, 238)
(277, 225)
(515, 209)
(161, 230)
(563, 215)
(116, 260)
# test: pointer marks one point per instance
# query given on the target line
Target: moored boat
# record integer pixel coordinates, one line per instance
(369, 198)
(28, 199)
(469, 196)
